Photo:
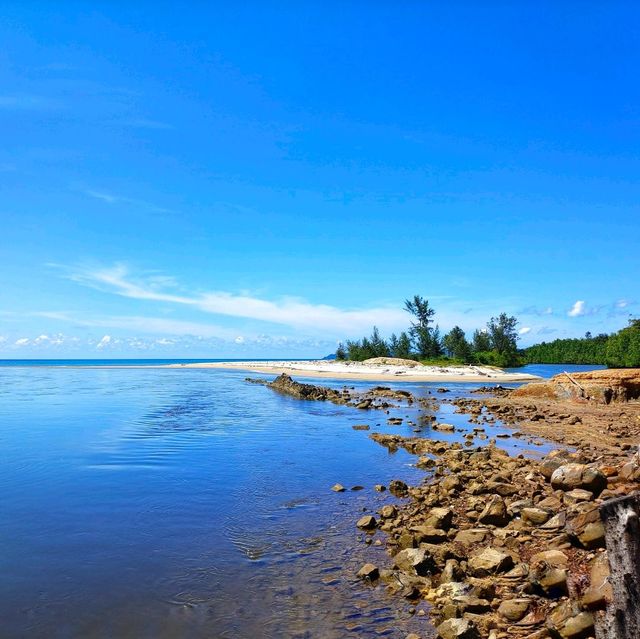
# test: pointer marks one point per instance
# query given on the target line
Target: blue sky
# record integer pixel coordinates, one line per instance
(261, 181)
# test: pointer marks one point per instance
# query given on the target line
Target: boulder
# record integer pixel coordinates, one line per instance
(571, 476)
(568, 622)
(471, 536)
(439, 518)
(536, 516)
(415, 560)
(368, 571)
(398, 488)
(457, 629)
(367, 522)
(490, 562)
(514, 609)
(495, 512)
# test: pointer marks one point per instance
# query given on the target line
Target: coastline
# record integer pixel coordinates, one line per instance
(371, 372)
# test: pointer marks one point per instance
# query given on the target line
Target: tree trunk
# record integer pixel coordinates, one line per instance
(621, 519)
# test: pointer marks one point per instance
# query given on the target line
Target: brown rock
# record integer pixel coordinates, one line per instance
(495, 512)
(457, 629)
(514, 609)
(368, 571)
(415, 560)
(489, 562)
(367, 522)
(571, 476)
(439, 518)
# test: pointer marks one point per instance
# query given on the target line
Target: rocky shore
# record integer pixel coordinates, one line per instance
(502, 546)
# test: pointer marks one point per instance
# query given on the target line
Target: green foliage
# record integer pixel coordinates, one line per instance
(587, 350)
(619, 350)
(503, 338)
(481, 341)
(495, 345)
(493, 358)
(456, 346)
(425, 338)
(623, 348)
(341, 353)
(403, 348)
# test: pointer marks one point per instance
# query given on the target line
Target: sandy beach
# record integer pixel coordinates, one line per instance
(372, 371)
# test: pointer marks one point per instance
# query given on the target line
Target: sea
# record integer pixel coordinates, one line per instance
(140, 502)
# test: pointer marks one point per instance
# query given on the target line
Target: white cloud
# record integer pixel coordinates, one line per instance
(23, 341)
(41, 339)
(105, 341)
(2, 339)
(622, 304)
(524, 330)
(578, 309)
(163, 341)
(288, 311)
(239, 340)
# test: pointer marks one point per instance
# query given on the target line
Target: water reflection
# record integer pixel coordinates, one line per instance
(150, 503)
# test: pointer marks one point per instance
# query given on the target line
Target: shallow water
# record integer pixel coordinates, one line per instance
(188, 503)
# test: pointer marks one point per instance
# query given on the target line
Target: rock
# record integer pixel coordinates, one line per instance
(441, 518)
(599, 592)
(490, 562)
(553, 461)
(514, 609)
(451, 482)
(367, 522)
(338, 488)
(457, 629)
(360, 427)
(445, 428)
(380, 488)
(388, 512)
(398, 488)
(495, 513)
(576, 496)
(415, 560)
(570, 623)
(429, 535)
(553, 558)
(368, 571)
(592, 536)
(536, 516)
(571, 476)
(471, 536)
(469, 603)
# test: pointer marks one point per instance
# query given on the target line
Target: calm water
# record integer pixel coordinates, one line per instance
(188, 503)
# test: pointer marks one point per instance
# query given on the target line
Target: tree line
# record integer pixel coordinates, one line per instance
(495, 345)
(618, 350)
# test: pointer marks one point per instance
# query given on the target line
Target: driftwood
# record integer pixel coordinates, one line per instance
(621, 519)
(573, 381)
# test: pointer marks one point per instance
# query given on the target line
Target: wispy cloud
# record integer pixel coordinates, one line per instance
(111, 198)
(524, 330)
(534, 310)
(27, 102)
(291, 312)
